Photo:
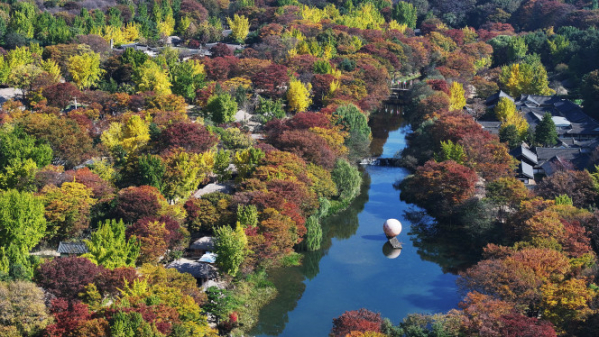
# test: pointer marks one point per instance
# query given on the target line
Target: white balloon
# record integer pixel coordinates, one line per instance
(392, 227)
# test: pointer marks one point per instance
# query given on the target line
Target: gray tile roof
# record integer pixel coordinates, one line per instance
(526, 170)
(72, 248)
(203, 243)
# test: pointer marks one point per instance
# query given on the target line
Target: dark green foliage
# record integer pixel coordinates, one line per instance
(221, 108)
(322, 67)
(509, 135)
(269, 109)
(545, 133)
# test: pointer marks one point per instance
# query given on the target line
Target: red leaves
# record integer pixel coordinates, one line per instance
(67, 277)
(135, 202)
(61, 94)
(356, 320)
(69, 316)
(192, 137)
(447, 181)
(515, 325)
(273, 80)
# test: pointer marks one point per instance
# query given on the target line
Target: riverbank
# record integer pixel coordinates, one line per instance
(350, 270)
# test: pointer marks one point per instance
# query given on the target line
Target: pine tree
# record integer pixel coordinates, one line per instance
(405, 13)
(545, 133)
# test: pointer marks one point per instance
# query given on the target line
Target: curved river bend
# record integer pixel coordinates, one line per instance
(351, 271)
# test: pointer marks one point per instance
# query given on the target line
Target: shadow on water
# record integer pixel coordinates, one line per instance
(440, 245)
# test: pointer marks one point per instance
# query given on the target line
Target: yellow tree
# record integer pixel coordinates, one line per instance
(457, 99)
(131, 136)
(240, 27)
(152, 77)
(298, 96)
(506, 112)
(51, 68)
(85, 69)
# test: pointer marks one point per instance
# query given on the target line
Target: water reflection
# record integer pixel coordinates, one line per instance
(290, 281)
(354, 273)
(445, 247)
(390, 252)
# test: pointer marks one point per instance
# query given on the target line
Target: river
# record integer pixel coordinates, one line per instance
(351, 272)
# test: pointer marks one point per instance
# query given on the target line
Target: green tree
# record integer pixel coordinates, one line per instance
(22, 226)
(451, 151)
(405, 13)
(23, 18)
(247, 216)
(516, 49)
(187, 78)
(20, 157)
(313, 234)
(545, 132)
(352, 120)
(150, 170)
(509, 134)
(348, 180)
(85, 69)
(222, 160)
(589, 90)
(231, 248)
(110, 248)
(221, 108)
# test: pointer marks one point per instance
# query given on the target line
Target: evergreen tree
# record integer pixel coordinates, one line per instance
(405, 13)
(545, 133)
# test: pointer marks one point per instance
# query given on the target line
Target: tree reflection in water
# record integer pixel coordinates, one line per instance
(290, 281)
(446, 246)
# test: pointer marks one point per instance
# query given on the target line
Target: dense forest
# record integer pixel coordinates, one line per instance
(118, 116)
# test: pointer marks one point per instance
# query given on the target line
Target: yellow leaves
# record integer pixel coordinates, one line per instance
(506, 112)
(85, 69)
(334, 138)
(151, 77)
(365, 17)
(313, 14)
(51, 68)
(457, 100)
(334, 86)
(119, 35)
(166, 27)
(394, 25)
(132, 136)
(298, 96)
(240, 27)
(566, 301)
(236, 82)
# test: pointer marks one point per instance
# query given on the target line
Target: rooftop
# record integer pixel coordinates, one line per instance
(72, 248)
(197, 269)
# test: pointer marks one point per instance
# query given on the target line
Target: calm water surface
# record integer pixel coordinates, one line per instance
(351, 271)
